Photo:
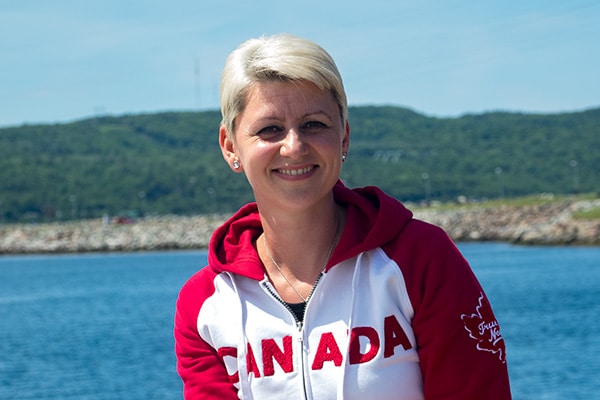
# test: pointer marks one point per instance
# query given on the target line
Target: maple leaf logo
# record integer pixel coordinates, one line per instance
(484, 328)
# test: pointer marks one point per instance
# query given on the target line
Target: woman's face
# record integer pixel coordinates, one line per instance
(289, 140)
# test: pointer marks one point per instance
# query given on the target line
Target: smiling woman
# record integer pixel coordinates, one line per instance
(317, 290)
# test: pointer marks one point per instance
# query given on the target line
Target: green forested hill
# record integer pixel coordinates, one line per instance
(170, 162)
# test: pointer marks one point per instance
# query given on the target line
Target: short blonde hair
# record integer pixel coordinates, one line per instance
(284, 57)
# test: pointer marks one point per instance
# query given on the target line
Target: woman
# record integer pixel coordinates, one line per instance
(315, 290)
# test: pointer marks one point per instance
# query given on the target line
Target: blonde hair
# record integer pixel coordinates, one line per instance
(284, 57)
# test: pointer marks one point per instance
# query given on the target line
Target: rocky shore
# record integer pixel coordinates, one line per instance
(546, 224)
(156, 233)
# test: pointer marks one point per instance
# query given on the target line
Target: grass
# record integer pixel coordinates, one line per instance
(525, 201)
(592, 213)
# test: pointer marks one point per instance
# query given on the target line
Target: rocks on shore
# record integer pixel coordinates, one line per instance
(547, 224)
(160, 233)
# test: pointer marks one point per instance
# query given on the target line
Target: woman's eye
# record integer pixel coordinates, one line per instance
(269, 131)
(314, 125)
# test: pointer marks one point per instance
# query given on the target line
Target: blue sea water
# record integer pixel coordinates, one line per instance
(99, 326)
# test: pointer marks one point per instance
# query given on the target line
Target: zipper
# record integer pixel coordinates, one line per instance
(273, 292)
(275, 295)
(299, 324)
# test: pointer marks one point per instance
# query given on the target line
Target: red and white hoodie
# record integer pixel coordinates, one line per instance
(397, 314)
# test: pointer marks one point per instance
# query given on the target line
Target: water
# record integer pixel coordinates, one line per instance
(547, 300)
(90, 326)
(99, 326)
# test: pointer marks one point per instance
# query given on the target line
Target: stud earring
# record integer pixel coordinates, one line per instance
(344, 156)
(236, 164)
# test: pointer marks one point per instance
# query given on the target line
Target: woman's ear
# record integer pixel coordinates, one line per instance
(346, 139)
(228, 150)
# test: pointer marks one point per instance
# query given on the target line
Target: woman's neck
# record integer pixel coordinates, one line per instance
(300, 244)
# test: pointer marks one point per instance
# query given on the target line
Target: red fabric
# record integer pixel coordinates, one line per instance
(443, 288)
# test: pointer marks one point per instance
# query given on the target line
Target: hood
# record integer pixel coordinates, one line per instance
(374, 219)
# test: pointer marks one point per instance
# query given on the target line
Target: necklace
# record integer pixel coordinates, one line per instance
(276, 264)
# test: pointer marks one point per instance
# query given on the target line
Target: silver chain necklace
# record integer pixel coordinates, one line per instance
(276, 264)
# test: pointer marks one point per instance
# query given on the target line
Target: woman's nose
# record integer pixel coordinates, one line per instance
(293, 144)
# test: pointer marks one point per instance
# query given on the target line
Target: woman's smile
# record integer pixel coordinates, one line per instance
(296, 171)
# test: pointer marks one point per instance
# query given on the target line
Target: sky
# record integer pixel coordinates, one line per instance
(66, 60)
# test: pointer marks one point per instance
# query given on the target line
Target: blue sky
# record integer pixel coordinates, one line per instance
(65, 60)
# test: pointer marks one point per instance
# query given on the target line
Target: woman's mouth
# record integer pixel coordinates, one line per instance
(295, 172)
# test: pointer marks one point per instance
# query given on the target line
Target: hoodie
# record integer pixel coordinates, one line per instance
(396, 314)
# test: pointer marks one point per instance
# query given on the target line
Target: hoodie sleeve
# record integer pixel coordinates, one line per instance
(199, 365)
(461, 351)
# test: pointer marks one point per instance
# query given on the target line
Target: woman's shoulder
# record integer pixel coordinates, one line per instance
(423, 243)
(198, 287)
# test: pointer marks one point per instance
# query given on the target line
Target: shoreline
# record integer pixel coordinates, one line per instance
(549, 224)
(544, 224)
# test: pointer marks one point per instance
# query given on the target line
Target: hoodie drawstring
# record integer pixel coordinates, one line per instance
(354, 290)
(244, 391)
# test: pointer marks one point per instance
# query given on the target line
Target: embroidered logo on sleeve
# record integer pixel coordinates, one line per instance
(484, 328)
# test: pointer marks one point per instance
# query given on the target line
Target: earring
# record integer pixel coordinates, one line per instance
(236, 164)
(344, 156)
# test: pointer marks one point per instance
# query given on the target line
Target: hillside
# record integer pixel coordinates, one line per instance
(169, 163)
